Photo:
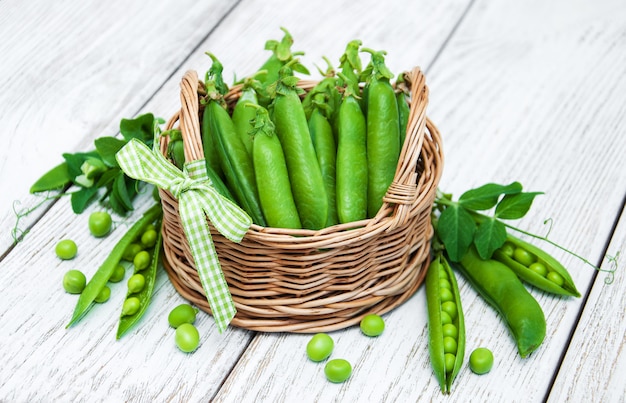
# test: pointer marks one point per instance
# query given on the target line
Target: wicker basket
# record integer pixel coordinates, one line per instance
(316, 281)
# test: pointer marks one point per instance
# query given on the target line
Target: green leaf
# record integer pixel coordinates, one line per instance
(456, 229)
(513, 207)
(107, 147)
(140, 128)
(107, 177)
(486, 196)
(56, 178)
(116, 205)
(121, 193)
(490, 235)
(82, 198)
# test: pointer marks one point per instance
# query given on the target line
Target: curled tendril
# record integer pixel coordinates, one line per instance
(613, 262)
(17, 233)
(548, 222)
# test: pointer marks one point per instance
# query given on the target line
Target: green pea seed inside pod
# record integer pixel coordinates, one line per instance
(103, 295)
(136, 283)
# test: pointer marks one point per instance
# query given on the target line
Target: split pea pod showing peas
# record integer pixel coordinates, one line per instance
(140, 288)
(536, 267)
(446, 327)
(504, 291)
(305, 174)
(383, 132)
(279, 207)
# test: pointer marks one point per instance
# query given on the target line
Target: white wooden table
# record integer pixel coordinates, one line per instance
(532, 90)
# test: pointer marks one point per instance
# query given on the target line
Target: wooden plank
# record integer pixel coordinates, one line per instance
(522, 92)
(595, 362)
(71, 72)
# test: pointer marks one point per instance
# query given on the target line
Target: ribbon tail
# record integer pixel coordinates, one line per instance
(207, 263)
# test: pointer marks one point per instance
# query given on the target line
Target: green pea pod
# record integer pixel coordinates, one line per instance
(504, 291)
(351, 162)
(549, 275)
(243, 116)
(55, 179)
(403, 107)
(234, 160)
(209, 148)
(326, 151)
(102, 275)
(383, 133)
(175, 148)
(446, 356)
(128, 321)
(305, 173)
(279, 207)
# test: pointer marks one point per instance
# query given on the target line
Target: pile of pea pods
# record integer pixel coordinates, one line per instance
(295, 159)
(499, 281)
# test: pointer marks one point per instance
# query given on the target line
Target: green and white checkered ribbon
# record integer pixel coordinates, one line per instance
(196, 197)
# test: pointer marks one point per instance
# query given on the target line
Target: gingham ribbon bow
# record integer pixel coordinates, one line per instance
(196, 197)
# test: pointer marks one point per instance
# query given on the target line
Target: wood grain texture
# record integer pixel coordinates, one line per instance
(594, 365)
(527, 91)
(72, 71)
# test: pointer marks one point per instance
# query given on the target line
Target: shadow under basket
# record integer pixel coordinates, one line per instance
(308, 281)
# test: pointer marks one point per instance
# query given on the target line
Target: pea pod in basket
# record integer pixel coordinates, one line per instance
(536, 267)
(446, 327)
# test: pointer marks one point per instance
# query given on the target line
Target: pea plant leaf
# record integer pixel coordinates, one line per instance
(487, 196)
(513, 207)
(107, 147)
(456, 229)
(490, 235)
(140, 128)
(82, 198)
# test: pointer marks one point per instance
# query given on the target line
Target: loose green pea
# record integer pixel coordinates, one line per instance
(136, 282)
(187, 337)
(131, 251)
(118, 274)
(100, 223)
(319, 347)
(555, 277)
(372, 325)
(141, 260)
(539, 268)
(450, 308)
(183, 313)
(66, 249)
(523, 256)
(103, 295)
(338, 370)
(449, 330)
(481, 360)
(74, 281)
(131, 306)
(148, 238)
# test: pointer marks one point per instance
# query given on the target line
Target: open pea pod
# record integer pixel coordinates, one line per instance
(145, 294)
(446, 327)
(536, 267)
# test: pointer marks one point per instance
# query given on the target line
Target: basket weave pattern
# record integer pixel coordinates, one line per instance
(308, 281)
